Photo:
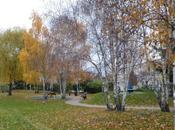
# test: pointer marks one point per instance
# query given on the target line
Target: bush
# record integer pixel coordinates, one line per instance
(4, 87)
(94, 86)
(19, 85)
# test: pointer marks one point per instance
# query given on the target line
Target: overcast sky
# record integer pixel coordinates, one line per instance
(17, 12)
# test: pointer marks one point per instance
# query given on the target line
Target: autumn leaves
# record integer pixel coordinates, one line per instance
(56, 56)
(32, 55)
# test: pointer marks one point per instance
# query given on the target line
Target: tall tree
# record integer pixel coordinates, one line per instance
(69, 47)
(160, 38)
(34, 56)
(111, 29)
(11, 42)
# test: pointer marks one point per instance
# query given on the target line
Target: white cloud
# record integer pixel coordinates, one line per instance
(17, 12)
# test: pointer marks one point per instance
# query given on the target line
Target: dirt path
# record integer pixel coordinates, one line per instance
(76, 101)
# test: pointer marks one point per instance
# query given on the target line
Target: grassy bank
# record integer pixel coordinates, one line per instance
(138, 98)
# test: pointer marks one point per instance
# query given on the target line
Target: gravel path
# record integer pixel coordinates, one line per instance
(76, 101)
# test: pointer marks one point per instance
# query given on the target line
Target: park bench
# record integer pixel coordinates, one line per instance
(51, 94)
(76, 93)
(71, 92)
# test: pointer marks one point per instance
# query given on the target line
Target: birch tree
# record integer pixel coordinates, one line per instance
(161, 14)
(112, 30)
(35, 55)
(69, 47)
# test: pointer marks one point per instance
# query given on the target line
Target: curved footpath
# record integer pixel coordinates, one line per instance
(76, 101)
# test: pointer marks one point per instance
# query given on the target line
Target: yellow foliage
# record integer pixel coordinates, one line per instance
(32, 55)
(171, 10)
(144, 2)
(23, 56)
(173, 58)
(36, 23)
(32, 77)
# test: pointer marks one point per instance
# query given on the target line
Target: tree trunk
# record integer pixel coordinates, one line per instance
(164, 89)
(10, 89)
(64, 85)
(116, 93)
(124, 92)
(30, 87)
(36, 88)
(165, 106)
(123, 101)
(117, 99)
(60, 84)
(163, 103)
(77, 88)
(44, 88)
(64, 89)
(51, 86)
(25, 84)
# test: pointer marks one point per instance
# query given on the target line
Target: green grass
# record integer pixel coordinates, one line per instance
(20, 112)
(138, 98)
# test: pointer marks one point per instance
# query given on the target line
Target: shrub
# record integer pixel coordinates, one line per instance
(94, 86)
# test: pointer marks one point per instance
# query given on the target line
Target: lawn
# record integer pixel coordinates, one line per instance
(138, 98)
(20, 112)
